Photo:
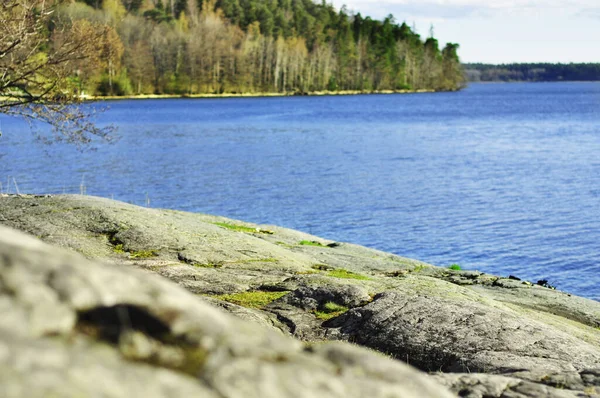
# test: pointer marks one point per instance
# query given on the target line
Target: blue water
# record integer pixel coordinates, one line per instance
(503, 178)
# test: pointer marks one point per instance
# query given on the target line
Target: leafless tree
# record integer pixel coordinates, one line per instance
(35, 65)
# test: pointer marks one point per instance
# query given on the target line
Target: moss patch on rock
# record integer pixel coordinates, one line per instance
(243, 228)
(252, 299)
(135, 255)
(345, 274)
(142, 254)
(234, 227)
(330, 310)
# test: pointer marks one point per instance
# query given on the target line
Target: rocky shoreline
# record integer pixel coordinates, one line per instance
(301, 305)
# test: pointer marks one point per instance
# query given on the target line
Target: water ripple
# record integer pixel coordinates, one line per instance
(501, 178)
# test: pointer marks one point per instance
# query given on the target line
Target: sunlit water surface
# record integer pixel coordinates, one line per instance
(502, 178)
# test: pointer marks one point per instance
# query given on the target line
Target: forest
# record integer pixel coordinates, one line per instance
(188, 47)
(533, 72)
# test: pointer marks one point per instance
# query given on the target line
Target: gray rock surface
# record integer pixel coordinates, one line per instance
(478, 385)
(453, 335)
(505, 331)
(74, 328)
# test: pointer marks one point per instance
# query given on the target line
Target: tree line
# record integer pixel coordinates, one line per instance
(191, 47)
(54, 51)
(533, 72)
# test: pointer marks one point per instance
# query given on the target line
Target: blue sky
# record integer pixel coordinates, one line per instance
(502, 31)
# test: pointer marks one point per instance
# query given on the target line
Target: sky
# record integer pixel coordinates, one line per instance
(503, 31)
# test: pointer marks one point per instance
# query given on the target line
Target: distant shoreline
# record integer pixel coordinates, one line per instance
(249, 95)
(532, 72)
(94, 98)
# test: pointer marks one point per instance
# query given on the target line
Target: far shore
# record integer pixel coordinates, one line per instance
(92, 98)
(243, 95)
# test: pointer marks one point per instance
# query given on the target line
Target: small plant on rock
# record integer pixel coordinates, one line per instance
(330, 310)
(136, 255)
(252, 299)
(243, 228)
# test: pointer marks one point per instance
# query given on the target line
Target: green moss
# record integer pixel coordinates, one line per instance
(119, 248)
(309, 272)
(344, 274)
(455, 267)
(311, 243)
(330, 310)
(339, 273)
(243, 228)
(136, 255)
(252, 299)
(234, 227)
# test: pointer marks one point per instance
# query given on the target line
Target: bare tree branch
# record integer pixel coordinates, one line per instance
(36, 61)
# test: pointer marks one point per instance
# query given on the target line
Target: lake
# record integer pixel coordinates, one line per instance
(501, 178)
